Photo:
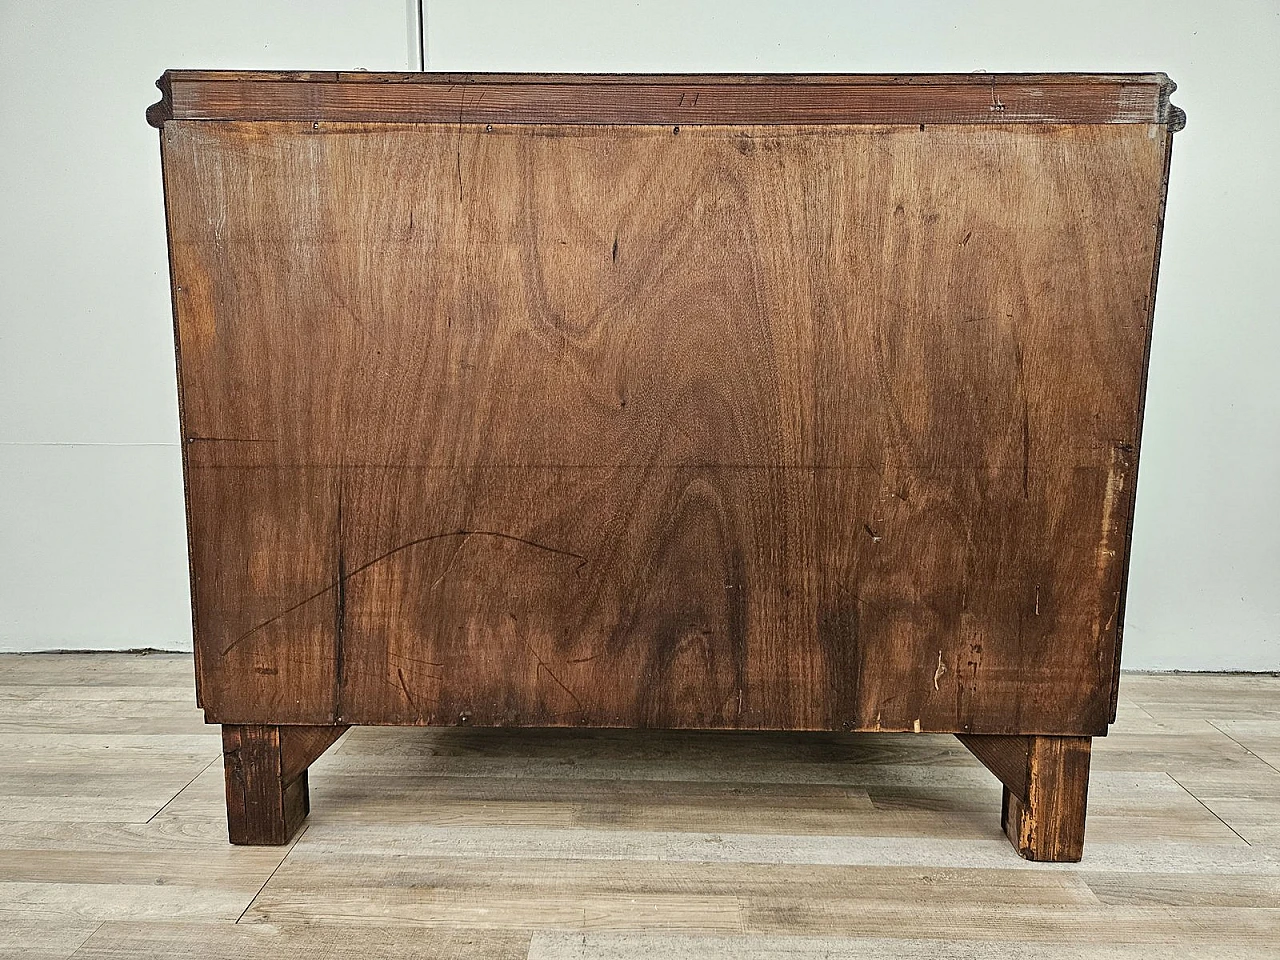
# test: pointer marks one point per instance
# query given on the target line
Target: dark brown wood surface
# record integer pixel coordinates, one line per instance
(265, 768)
(724, 426)
(1047, 823)
(1008, 757)
(1046, 786)
(664, 99)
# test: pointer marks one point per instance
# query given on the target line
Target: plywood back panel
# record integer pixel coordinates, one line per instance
(801, 426)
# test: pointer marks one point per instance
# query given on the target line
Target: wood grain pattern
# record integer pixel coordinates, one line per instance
(1048, 822)
(1046, 784)
(664, 99)
(265, 770)
(1009, 758)
(809, 427)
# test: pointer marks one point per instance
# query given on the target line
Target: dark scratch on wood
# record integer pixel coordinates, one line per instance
(407, 695)
(865, 603)
(582, 562)
(401, 656)
(542, 665)
(725, 702)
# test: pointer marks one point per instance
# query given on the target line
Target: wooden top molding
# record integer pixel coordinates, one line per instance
(665, 98)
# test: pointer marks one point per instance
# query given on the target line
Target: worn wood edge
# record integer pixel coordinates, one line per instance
(1174, 116)
(302, 745)
(1135, 454)
(665, 99)
(1048, 824)
(245, 748)
(265, 774)
(352, 718)
(192, 579)
(1006, 756)
(1015, 822)
(162, 110)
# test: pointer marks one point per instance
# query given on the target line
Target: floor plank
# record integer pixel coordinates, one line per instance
(259, 941)
(609, 894)
(614, 946)
(623, 845)
(170, 670)
(1198, 927)
(24, 937)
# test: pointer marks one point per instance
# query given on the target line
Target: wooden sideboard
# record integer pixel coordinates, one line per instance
(718, 402)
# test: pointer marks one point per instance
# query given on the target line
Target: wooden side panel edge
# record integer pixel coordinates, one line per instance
(177, 357)
(1131, 493)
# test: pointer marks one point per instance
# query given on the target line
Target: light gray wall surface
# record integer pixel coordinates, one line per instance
(92, 547)
(91, 544)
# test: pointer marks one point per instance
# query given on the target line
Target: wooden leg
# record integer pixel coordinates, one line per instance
(1046, 785)
(266, 773)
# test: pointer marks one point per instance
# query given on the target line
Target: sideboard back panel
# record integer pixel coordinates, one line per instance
(789, 426)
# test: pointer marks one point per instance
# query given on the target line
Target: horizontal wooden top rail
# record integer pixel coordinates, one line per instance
(665, 98)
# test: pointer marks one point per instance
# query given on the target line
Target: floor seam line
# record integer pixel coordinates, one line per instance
(76, 952)
(254, 898)
(1261, 760)
(1207, 807)
(180, 792)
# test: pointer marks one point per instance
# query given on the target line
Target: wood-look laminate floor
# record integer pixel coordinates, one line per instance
(620, 845)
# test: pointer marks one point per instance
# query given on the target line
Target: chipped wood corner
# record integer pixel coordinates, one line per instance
(1174, 116)
(162, 109)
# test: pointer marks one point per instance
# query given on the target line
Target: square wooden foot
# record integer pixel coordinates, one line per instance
(1046, 788)
(266, 777)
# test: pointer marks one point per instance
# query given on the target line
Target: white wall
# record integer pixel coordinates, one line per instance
(91, 547)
